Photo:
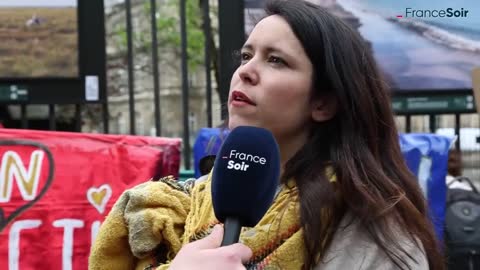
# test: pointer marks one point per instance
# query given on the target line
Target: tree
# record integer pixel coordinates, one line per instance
(168, 33)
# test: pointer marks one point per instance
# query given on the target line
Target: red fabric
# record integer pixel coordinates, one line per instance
(90, 171)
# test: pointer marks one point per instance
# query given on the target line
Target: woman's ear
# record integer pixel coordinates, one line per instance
(324, 108)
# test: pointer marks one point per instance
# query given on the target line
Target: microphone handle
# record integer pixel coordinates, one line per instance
(232, 228)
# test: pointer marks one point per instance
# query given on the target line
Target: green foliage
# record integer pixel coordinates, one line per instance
(120, 34)
(168, 31)
(168, 27)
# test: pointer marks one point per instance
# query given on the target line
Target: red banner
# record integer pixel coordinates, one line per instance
(57, 187)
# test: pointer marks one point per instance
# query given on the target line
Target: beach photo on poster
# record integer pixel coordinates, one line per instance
(419, 45)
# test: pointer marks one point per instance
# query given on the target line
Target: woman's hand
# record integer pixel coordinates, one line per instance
(207, 254)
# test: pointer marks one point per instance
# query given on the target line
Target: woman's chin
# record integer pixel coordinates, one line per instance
(237, 122)
(232, 125)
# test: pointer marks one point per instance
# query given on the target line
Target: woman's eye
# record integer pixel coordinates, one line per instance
(245, 57)
(277, 60)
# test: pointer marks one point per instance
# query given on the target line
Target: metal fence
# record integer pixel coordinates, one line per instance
(231, 22)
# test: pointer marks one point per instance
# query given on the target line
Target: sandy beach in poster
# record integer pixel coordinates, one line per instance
(416, 55)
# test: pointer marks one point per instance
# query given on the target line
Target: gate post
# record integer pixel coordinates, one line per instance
(232, 36)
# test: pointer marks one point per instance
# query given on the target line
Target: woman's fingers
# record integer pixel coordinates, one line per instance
(208, 254)
(237, 252)
(213, 240)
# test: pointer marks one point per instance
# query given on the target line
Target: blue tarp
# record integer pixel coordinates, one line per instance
(426, 156)
(207, 143)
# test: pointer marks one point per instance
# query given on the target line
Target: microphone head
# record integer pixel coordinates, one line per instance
(245, 175)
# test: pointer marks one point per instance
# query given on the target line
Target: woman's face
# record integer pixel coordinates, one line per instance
(271, 88)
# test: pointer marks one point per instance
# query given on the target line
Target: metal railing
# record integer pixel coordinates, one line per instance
(230, 24)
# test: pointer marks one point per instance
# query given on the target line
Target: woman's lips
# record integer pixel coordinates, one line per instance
(240, 99)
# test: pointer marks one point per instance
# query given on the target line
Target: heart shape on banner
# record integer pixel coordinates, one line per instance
(5, 220)
(98, 197)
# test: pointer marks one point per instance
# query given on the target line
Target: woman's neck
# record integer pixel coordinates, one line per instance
(289, 147)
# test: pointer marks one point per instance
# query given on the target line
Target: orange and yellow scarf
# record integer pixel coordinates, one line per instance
(151, 222)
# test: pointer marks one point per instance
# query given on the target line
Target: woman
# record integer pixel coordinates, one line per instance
(347, 199)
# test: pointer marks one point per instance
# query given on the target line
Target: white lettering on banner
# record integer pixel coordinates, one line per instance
(94, 230)
(14, 240)
(12, 168)
(67, 251)
(68, 239)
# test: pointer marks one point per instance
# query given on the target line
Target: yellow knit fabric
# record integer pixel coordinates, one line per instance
(276, 241)
(144, 217)
(160, 213)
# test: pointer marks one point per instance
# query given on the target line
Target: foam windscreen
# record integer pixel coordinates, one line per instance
(245, 175)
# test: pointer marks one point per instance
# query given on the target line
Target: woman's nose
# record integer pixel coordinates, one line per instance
(248, 72)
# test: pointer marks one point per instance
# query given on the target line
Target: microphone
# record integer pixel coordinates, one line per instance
(245, 178)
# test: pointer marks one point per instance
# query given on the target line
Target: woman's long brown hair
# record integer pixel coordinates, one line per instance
(361, 143)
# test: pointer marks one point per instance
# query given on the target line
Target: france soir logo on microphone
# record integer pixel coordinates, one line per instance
(241, 161)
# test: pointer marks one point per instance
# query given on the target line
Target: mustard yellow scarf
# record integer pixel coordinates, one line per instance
(276, 241)
(151, 222)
